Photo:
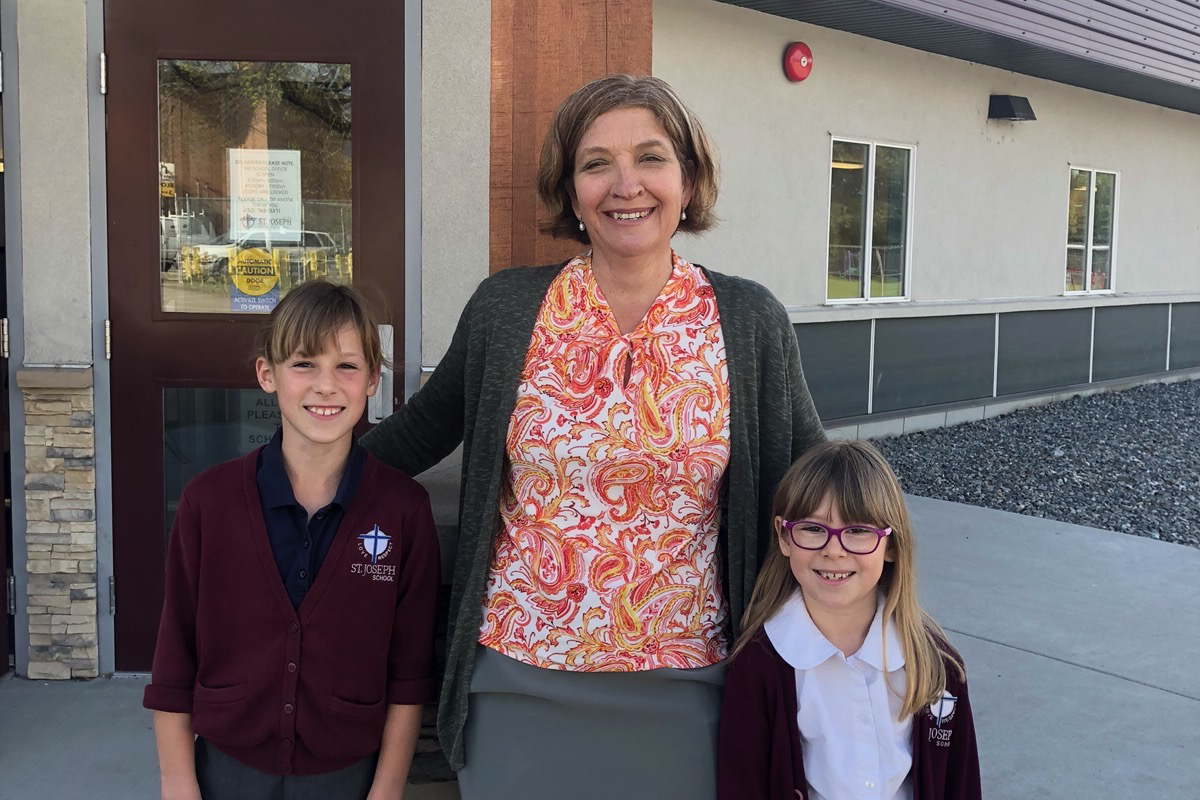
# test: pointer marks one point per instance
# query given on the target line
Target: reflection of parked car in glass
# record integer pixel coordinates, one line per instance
(168, 242)
(176, 231)
(297, 245)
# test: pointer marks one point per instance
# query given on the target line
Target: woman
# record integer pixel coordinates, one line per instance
(625, 417)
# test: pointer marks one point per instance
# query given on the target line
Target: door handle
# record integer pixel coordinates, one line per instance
(379, 407)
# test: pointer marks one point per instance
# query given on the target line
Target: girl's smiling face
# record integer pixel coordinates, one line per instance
(629, 187)
(836, 585)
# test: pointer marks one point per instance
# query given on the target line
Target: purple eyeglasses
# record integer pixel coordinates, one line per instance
(861, 540)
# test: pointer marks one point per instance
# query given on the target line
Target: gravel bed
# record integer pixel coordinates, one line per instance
(1124, 461)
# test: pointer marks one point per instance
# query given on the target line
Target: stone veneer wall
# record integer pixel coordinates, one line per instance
(60, 533)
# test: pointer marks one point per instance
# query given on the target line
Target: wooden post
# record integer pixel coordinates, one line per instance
(542, 50)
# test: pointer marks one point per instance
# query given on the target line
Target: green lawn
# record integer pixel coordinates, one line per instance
(844, 288)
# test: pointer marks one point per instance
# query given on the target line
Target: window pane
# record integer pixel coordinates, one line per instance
(254, 161)
(1102, 218)
(1075, 268)
(1077, 209)
(889, 230)
(847, 219)
(203, 427)
(1101, 268)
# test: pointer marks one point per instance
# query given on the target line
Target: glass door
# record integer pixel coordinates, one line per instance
(250, 147)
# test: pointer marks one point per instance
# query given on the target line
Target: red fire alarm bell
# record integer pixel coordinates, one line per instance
(797, 61)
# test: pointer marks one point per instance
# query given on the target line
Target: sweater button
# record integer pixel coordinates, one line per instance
(292, 667)
(287, 742)
(294, 627)
(288, 708)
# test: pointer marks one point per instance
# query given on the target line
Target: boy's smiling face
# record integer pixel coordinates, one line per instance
(321, 396)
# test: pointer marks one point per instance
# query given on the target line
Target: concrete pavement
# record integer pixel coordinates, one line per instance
(1082, 649)
(1081, 646)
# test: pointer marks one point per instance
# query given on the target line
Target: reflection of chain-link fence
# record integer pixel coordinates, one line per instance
(887, 263)
(205, 271)
(219, 265)
(204, 220)
(294, 266)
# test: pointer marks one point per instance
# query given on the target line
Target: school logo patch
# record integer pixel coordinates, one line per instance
(942, 711)
(375, 545)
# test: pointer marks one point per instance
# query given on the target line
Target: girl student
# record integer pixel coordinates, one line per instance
(840, 686)
(296, 643)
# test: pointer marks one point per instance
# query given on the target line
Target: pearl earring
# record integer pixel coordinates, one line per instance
(581, 224)
(682, 216)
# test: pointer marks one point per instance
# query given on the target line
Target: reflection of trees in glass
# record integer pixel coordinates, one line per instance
(1092, 204)
(1106, 184)
(207, 107)
(847, 213)
(1077, 212)
(847, 194)
(891, 196)
(889, 226)
(227, 94)
(858, 253)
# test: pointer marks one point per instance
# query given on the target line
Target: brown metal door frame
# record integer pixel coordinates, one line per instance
(148, 346)
(5, 512)
(6, 623)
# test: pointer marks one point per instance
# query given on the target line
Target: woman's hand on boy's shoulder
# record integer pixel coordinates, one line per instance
(181, 789)
(378, 793)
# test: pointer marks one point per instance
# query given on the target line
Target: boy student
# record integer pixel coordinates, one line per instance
(296, 642)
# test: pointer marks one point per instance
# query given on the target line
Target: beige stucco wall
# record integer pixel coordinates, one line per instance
(55, 207)
(456, 74)
(990, 199)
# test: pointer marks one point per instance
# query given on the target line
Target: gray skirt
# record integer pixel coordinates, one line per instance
(545, 734)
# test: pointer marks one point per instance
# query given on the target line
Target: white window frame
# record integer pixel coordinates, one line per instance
(870, 214)
(1088, 247)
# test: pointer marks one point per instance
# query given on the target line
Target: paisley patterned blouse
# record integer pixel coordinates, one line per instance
(607, 556)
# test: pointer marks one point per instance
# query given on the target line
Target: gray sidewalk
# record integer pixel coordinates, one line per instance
(1081, 647)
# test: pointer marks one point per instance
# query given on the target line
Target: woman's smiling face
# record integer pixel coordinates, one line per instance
(629, 186)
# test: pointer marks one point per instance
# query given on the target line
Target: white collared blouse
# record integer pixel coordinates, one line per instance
(855, 746)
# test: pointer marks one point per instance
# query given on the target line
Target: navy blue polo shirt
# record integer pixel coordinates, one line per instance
(300, 544)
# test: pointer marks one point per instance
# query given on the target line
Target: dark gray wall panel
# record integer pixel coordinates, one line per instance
(931, 360)
(1130, 340)
(837, 362)
(1185, 335)
(1043, 349)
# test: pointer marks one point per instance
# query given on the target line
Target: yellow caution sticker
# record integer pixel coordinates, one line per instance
(253, 272)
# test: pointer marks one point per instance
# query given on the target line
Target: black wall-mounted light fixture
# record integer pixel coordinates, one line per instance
(1010, 107)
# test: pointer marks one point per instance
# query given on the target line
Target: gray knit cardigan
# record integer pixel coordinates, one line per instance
(470, 397)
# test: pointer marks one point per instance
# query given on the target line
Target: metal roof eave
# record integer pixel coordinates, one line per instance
(909, 28)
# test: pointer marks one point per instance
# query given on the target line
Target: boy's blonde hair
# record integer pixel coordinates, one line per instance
(309, 317)
(865, 490)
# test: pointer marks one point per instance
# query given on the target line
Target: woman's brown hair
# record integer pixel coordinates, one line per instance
(556, 171)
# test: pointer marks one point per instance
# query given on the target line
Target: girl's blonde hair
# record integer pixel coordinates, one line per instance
(864, 489)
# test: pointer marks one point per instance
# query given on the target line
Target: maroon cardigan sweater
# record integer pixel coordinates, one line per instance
(760, 755)
(296, 691)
